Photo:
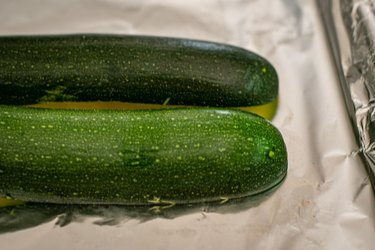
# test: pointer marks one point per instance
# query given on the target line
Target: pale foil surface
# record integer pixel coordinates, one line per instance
(351, 32)
(326, 202)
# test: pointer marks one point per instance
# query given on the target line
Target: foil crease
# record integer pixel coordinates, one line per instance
(350, 26)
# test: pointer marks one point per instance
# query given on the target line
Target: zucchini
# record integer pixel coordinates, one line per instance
(139, 69)
(267, 110)
(137, 157)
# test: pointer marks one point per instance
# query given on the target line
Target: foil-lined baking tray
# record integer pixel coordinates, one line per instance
(350, 27)
(326, 202)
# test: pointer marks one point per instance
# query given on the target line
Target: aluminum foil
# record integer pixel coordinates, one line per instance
(351, 31)
(326, 202)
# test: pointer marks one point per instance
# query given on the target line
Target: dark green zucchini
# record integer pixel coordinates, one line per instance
(170, 156)
(138, 69)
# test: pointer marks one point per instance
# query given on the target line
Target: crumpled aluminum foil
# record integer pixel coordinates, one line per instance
(350, 26)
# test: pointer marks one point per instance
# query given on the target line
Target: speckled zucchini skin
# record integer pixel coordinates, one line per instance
(174, 156)
(140, 69)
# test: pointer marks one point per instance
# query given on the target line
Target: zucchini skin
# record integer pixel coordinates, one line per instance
(142, 69)
(173, 156)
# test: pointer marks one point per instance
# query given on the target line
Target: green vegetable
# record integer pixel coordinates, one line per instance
(137, 69)
(143, 157)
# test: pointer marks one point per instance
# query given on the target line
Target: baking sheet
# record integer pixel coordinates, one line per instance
(350, 26)
(326, 201)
